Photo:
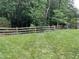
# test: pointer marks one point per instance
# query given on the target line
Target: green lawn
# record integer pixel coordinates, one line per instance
(58, 44)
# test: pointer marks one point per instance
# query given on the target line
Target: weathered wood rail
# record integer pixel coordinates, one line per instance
(25, 30)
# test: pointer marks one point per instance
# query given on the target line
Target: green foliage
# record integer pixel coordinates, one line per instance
(4, 22)
(18, 12)
(38, 10)
(60, 17)
(22, 13)
(63, 12)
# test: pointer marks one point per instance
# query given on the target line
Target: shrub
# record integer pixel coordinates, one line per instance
(4, 22)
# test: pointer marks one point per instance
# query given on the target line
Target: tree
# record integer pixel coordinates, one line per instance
(59, 11)
(17, 11)
(38, 7)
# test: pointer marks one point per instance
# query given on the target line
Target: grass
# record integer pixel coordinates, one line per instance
(59, 44)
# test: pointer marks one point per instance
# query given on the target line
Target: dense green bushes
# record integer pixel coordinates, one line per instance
(4, 22)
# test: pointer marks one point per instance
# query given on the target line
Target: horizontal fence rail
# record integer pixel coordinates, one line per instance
(25, 30)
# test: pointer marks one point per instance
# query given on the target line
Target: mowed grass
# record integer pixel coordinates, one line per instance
(58, 44)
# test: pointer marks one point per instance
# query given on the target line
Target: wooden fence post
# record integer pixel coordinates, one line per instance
(16, 30)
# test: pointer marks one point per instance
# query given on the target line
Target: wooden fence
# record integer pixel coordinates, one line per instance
(25, 30)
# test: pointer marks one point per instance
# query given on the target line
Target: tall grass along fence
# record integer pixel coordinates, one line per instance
(25, 30)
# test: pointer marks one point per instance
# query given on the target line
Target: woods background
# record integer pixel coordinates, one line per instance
(26, 13)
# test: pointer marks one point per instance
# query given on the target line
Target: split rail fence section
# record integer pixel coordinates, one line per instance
(25, 30)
